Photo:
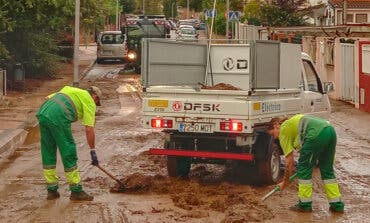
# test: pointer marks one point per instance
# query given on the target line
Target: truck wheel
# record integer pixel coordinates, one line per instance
(99, 61)
(177, 166)
(269, 164)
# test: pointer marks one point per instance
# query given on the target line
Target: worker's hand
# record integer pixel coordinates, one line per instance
(94, 158)
(282, 185)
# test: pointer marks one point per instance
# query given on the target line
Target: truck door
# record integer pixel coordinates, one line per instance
(315, 101)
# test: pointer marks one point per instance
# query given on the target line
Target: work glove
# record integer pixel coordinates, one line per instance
(94, 158)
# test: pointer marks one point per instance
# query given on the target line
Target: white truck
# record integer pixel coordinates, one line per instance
(205, 125)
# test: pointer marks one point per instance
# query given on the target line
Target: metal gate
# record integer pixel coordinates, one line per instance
(348, 91)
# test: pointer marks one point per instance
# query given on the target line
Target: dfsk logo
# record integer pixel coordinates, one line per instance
(176, 106)
(201, 107)
(229, 64)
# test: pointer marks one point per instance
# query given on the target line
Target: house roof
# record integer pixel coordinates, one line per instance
(352, 4)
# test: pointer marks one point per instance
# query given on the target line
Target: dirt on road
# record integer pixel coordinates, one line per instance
(207, 196)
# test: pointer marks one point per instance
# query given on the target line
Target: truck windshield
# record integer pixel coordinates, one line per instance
(145, 30)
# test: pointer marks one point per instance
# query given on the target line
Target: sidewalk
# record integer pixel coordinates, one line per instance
(15, 120)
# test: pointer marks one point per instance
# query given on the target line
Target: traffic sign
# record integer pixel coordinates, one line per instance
(210, 13)
(234, 15)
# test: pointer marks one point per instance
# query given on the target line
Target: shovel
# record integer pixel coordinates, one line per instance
(121, 186)
(277, 188)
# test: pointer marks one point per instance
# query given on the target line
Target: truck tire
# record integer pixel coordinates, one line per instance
(99, 61)
(267, 159)
(177, 166)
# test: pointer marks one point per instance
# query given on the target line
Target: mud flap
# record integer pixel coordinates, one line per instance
(177, 166)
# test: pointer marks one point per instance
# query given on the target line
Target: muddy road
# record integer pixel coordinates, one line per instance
(208, 196)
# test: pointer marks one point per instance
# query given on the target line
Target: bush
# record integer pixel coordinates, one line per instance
(220, 25)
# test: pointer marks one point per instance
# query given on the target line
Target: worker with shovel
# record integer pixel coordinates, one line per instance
(55, 117)
(316, 139)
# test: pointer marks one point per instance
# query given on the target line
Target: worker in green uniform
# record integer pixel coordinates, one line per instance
(316, 139)
(55, 117)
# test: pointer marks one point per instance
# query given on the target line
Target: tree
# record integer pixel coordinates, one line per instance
(279, 13)
(31, 29)
(274, 15)
(168, 6)
(128, 6)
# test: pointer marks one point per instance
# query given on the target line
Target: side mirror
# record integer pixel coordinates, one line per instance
(328, 87)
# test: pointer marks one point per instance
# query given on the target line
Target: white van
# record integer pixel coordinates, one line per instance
(111, 46)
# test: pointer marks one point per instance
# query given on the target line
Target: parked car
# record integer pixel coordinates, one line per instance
(189, 34)
(202, 26)
(111, 46)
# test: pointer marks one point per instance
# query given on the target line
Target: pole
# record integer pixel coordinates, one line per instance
(117, 25)
(173, 3)
(227, 18)
(187, 11)
(143, 7)
(344, 15)
(210, 42)
(76, 58)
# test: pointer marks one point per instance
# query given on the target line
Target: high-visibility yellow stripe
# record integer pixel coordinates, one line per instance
(73, 177)
(332, 191)
(51, 176)
(305, 192)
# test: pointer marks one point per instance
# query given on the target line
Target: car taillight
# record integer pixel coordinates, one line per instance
(161, 123)
(231, 126)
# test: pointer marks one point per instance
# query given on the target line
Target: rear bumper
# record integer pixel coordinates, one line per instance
(202, 154)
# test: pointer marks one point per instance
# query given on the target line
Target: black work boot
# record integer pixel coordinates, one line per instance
(52, 195)
(80, 196)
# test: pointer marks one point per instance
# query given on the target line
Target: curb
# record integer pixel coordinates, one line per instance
(12, 141)
(87, 70)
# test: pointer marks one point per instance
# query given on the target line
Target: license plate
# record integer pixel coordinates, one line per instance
(197, 127)
(107, 52)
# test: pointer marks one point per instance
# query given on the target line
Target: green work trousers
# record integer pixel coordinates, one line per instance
(55, 131)
(321, 149)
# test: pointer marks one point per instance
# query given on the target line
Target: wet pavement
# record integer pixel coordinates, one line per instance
(122, 147)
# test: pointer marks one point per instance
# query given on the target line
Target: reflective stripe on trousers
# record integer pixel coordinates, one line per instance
(332, 190)
(73, 177)
(305, 190)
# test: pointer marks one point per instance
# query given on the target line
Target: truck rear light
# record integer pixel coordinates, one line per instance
(231, 126)
(161, 123)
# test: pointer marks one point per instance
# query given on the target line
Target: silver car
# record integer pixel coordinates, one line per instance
(111, 46)
(188, 34)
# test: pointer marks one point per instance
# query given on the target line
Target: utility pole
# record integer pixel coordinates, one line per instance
(188, 8)
(143, 7)
(173, 3)
(227, 18)
(117, 19)
(76, 58)
(344, 15)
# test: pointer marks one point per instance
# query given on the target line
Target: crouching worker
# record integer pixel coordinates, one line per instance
(316, 139)
(55, 117)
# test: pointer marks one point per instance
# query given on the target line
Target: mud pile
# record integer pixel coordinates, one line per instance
(221, 86)
(239, 203)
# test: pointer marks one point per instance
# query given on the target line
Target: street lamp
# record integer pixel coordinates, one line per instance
(173, 3)
(188, 6)
(117, 20)
(76, 58)
(143, 7)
